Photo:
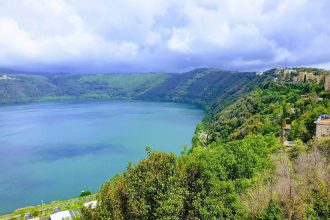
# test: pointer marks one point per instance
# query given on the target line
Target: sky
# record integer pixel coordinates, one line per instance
(163, 35)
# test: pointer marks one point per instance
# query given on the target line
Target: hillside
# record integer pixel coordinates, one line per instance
(18, 88)
(206, 87)
(239, 166)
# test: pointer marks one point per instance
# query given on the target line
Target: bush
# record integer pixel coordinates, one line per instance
(85, 193)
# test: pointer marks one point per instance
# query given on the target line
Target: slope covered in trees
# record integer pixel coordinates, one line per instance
(241, 170)
(238, 168)
(200, 86)
(270, 107)
(30, 88)
(203, 86)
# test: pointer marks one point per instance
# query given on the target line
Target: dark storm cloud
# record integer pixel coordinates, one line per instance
(159, 35)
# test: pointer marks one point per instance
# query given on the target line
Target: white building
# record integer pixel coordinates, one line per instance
(91, 204)
(5, 77)
(289, 143)
(63, 215)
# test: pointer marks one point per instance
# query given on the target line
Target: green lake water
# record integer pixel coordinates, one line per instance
(52, 151)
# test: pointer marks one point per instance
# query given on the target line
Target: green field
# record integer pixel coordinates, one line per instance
(46, 210)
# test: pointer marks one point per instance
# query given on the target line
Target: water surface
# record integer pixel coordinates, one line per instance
(53, 151)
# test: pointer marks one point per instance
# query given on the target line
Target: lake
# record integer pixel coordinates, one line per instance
(53, 151)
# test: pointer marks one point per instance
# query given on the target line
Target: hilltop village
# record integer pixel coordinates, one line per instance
(305, 75)
(296, 77)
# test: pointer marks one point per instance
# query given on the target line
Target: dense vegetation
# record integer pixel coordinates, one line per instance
(270, 107)
(239, 168)
(201, 86)
(207, 87)
(28, 88)
(203, 184)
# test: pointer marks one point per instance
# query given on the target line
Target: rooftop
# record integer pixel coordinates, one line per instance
(63, 215)
(323, 119)
(287, 127)
(91, 204)
(289, 143)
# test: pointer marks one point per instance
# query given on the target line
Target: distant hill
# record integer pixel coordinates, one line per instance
(24, 88)
(239, 166)
(207, 87)
(201, 86)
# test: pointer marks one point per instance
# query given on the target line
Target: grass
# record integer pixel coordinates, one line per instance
(47, 209)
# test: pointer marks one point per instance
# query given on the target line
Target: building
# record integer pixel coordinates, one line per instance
(91, 204)
(287, 72)
(327, 83)
(63, 215)
(286, 129)
(203, 136)
(289, 143)
(323, 126)
(6, 77)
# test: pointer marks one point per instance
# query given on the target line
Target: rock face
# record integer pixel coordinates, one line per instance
(327, 83)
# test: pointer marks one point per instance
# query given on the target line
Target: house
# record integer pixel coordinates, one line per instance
(327, 83)
(203, 135)
(91, 204)
(287, 127)
(63, 215)
(323, 126)
(285, 130)
(289, 143)
(279, 70)
(6, 77)
(287, 72)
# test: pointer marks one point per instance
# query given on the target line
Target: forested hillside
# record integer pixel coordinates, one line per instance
(202, 86)
(206, 87)
(239, 168)
(270, 107)
(20, 88)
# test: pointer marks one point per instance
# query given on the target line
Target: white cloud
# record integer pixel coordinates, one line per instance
(152, 35)
(14, 41)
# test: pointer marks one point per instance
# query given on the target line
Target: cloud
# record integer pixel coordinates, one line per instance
(162, 35)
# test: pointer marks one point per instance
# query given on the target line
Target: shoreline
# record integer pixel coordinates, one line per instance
(192, 106)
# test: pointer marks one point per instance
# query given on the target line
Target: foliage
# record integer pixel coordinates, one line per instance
(239, 171)
(203, 184)
(273, 211)
(85, 193)
(267, 109)
(45, 210)
(28, 88)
